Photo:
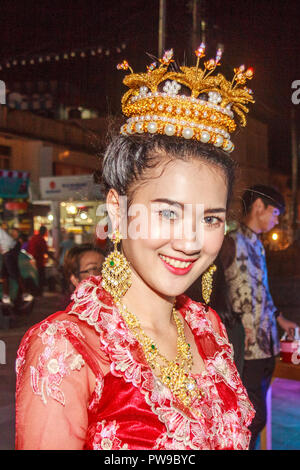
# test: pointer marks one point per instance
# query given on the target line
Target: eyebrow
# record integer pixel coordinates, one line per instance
(215, 210)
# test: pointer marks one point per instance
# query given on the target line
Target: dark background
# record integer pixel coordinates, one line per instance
(264, 34)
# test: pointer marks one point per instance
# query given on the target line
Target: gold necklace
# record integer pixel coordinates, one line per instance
(175, 374)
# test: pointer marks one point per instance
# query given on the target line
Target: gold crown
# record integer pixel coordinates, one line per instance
(154, 104)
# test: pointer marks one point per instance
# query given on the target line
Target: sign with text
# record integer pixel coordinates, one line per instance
(61, 188)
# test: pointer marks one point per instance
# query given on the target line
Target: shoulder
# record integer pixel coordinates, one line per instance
(50, 331)
(200, 316)
(47, 355)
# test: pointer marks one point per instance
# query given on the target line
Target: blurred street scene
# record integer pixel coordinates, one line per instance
(60, 94)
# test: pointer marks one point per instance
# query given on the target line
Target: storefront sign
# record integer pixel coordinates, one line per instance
(14, 184)
(61, 188)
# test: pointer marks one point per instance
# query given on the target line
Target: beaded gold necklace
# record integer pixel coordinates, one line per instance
(175, 374)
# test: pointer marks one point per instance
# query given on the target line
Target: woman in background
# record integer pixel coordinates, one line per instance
(79, 263)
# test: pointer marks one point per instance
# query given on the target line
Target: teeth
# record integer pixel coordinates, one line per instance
(175, 263)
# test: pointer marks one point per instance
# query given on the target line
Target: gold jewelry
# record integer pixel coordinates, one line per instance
(207, 280)
(175, 374)
(116, 272)
(154, 103)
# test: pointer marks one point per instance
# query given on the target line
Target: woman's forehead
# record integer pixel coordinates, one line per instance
(90, 257)
(185, 181)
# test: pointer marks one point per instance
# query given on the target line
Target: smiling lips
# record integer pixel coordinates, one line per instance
(177, 266)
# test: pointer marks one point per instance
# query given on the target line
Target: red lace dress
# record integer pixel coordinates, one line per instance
(83, 383)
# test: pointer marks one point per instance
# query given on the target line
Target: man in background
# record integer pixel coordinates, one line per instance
(38, 248)
(247, 279)
(9, 249)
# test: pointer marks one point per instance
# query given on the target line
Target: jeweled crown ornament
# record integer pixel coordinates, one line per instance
(189, 102)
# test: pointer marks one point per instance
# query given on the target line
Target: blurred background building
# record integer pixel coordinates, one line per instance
(58, 63)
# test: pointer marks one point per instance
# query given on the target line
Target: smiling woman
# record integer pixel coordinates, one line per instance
(183, 189)
(133, 363)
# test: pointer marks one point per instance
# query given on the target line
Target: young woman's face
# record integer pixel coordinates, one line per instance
(175, 225)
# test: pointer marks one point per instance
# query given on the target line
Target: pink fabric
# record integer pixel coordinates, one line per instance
(83, 383)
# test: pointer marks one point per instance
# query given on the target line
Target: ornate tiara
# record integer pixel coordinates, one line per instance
(155, 102)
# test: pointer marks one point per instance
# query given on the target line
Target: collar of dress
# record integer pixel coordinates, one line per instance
(94, 305)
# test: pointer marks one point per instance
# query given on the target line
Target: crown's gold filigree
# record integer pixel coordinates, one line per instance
(191, 103)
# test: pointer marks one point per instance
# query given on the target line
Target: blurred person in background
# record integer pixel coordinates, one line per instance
(15, 232)
(66, 244)
(80, 262)
(21, 238)
(38, 248)
(10, 248)
(247, 278)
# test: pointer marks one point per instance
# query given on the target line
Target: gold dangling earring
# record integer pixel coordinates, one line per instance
(207, 280)
(116, 272)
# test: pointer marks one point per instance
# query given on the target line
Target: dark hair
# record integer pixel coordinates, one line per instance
(268, 194)
(42, 230)
(219, 300)
(73, 256)
(127, 158)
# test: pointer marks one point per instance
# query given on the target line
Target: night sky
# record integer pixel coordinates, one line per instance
(264, 34)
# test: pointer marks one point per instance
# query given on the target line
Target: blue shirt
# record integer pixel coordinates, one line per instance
(249, 292)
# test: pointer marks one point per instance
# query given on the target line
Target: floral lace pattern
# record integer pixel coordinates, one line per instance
(141, 412)
(104, 436)
(56, 361)
(210, 425)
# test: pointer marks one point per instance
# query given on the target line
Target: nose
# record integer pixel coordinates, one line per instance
(189, 244)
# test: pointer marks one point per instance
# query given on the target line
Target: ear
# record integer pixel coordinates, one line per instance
(74, 280)
(258, 205)
(113, 208)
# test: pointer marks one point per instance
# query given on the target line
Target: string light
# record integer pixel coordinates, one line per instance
(82, 53)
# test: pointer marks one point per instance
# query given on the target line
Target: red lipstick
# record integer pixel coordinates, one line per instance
(178, 271)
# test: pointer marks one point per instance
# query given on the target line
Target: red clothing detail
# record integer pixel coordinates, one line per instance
(38, 248)
(83, 383)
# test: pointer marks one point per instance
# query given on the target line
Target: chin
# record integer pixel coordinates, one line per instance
(174, 288)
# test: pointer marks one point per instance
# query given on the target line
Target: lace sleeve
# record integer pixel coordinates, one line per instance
(217, 324)
(53, 389)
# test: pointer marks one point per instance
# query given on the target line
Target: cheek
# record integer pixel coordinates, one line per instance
(138, 251)
(213, 240)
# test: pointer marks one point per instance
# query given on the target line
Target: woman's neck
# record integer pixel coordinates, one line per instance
(152, 310)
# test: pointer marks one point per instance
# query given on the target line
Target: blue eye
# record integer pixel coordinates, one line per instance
(212, 220)
(168, 214)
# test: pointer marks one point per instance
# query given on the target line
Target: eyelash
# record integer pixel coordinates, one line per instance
(169, 211)
(218, 222)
